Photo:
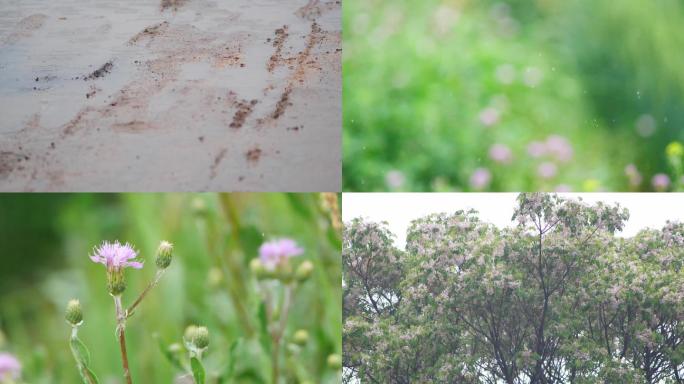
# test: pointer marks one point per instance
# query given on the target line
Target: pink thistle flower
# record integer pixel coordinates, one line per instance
(500, 153)
(276, 252)
(480, 178)
(489, 116)
(660, 182)
(547, 170)
(116, 256)
(559, 147)
(10, 367)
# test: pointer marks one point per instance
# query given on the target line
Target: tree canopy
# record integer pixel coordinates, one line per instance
(556, 297)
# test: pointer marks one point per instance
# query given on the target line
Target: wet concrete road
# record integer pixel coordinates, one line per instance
(170, 95)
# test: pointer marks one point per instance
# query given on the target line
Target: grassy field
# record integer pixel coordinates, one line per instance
(45, 241)
(513, 95)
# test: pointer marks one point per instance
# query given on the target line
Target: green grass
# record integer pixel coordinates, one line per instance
(417, 76)
(45, 241)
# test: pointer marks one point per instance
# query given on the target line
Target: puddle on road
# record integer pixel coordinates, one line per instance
(145, 96)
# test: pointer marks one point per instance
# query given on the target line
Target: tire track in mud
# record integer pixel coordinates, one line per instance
(281, 35)
(298, 75)
(174, 46)
(302, 63)
(170, 46)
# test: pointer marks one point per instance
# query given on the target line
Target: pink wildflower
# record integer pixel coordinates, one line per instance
(480, 178)
(489, 116)
(547, 170)
(116, 256)
(660, 182)
(559, 147)
(275, 252)
(500, 153)
(10, 367)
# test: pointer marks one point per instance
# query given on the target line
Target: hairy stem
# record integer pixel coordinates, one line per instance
(121, 332)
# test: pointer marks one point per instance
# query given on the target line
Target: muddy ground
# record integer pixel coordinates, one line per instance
(171, 95)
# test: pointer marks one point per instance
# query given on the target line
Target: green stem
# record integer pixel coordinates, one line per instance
(121, 333)
(152, 284)
(275, 354)
(277, 333)
(82, 367)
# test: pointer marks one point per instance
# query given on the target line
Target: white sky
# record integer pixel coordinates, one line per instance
(647, 210)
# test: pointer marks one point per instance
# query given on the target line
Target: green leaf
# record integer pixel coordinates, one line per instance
(82, 356)
(89, 376)
(231, 359)
(80, 351)
(250, 241)
(197, 370)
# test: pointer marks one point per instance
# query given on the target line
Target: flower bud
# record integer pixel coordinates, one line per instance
(164, 254)
(189, 334)
(74, 313)
(197, 337)
(335, 361)
(300, 337)
(257, 268)
(283, 272)
(304, 271)
(202, 337)
(115, 282)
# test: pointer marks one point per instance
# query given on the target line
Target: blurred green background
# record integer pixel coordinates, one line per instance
(513, 95)
(45, 240)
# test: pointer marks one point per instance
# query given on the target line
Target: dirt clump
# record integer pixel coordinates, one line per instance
(217, 161)
(244, 109)
(150, 32)
(283, 103)
(100, 72)
(174, 4)
(253, 155)
(9, 161)
(281, 35)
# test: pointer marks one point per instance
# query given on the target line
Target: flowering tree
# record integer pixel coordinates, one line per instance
(557, 298)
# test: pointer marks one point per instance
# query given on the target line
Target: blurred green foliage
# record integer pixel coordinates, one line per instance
(46, 240)
(430, 87)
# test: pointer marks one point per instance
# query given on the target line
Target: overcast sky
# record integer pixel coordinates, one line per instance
(647, 210)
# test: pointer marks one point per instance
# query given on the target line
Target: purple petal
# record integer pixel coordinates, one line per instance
(133, 264)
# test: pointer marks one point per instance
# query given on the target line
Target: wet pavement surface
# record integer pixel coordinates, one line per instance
(171, 95)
